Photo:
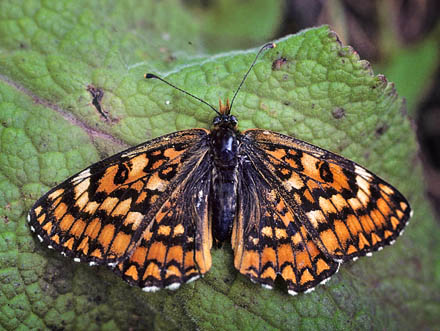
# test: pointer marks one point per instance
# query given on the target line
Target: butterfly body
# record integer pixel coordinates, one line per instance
(225, 157)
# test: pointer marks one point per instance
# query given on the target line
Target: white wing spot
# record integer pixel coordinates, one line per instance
(411, 213)
(173, 286)
(82, 175)
(193, 279)
(112, 264)
(355, 258)
(392, 242)
(362, 172)
(150, 289)
(91, 263)
(309, 290)
(77, 259)
(292, 292)
(325, 281)
(380, 248)
(200, 196)
(63, 254)
(50, 247)
(369, 254)
(29, 219)
(266, 286)
(40, 238)
(32, 229)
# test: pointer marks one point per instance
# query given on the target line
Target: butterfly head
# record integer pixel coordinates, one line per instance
(229, 121)
(224, 119)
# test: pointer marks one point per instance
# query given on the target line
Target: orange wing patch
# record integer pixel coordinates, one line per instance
(175, 247)
(269, 240)
(107, 214)
(338, 210)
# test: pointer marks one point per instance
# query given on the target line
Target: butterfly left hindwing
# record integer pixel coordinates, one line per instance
(122, 208)
(175, 247)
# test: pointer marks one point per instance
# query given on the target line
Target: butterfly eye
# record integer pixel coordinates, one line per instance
(234, 120)
(216, 120)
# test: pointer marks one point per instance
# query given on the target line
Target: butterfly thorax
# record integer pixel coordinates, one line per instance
(224, 149)
(224, 144)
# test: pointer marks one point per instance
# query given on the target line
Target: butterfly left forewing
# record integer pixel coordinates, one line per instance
(100, 214)
(347, 210)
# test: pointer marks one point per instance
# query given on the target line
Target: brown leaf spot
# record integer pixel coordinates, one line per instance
(338, 112)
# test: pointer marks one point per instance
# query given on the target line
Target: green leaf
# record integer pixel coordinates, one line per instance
(51, 53)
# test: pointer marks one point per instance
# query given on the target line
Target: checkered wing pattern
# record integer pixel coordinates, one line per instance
(127, 211)
(303, 210)
(175, 247)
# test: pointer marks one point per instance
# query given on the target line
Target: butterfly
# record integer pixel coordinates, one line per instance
(153, 212)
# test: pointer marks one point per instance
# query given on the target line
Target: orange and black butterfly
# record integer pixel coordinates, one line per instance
(290, 209)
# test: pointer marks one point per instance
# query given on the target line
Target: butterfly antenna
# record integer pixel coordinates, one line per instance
(149, 76)
(269, 45)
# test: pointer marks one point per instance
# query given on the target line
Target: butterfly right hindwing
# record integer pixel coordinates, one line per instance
(268, 238)
(304, 210)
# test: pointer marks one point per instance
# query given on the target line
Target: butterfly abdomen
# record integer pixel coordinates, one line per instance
(223, 202)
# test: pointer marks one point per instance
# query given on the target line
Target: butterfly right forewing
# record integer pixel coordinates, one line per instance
(348, 211)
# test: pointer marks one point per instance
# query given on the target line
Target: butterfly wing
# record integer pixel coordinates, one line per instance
(344, 209)
(106, 212)
(269, 239)
(175, 247)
